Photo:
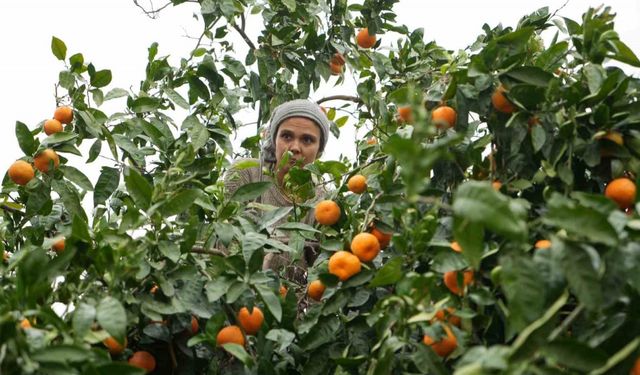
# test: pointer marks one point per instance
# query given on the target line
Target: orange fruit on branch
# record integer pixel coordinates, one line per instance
(195, 326)
(58, 246)
(364, 39)
(622, 191)
(497, 185)
(143, 360)
(451, 281)
(25, 324)
(636, 367)
(405, 114)
(445, 346)
(21, 172)
(52, 126)
(357, 184)
(230, 334)
(336, 69)
(63, 114)
(542, 244)
(500, 101)
(327, 212)
(455, 246)
(383, 238)
(250, 321)
(372, 141)
(365, 246)
(41, 161)
(444, 115)
(283, 291)
(344, 265)
(316, 290)
(447, 315)
(114, 347)
(614, 137)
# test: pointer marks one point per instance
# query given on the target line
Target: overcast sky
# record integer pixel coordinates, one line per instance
(115, 34)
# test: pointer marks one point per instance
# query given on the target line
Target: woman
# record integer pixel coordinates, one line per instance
(300, 127)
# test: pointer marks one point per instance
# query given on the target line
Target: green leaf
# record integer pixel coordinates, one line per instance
(390, 273)
(574, 354)
(298, 227)
(138, 187)
(624, 54)
(59, 138)
(83, 317)
(470, 237)
(74, 175)
(534, 335)
(290, 4)
(61, 354)
(270, 300)
(538, 137)
(112, 316)
(101, 78)
(524, 288)
(67, 79)
(94, 151)
(176, 98)
(170, 250)
(580, 220)
(582, 277)
(250, 191)
(198, 133)
(105, 186)
(180, 202)
(58, 48)
(531, 75)
(323, 331)
(479, 203)
(25, 139)
(239, 352)
(145, 104)
(80, 229)
(281, 336)
(217, 288)
(70, 197)
(251, 242)
(120, 368)
(116, 93)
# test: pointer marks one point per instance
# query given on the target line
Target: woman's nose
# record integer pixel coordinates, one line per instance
(294, 146)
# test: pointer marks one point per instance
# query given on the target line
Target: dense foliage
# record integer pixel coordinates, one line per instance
(163, 258)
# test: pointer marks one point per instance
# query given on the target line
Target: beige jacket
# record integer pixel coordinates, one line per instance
(235, 178)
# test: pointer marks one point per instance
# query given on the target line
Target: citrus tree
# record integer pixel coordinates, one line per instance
(487, 225)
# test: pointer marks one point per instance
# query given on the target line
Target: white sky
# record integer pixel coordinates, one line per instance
(115, 34)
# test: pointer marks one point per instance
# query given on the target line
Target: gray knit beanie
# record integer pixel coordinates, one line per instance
(294, 108)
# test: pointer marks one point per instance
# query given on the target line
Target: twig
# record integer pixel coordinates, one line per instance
(153, 14)
(566, 323)
(11, 209)
(559, 9)
(244, 36)
(354, 99)
(172, 353)
(201, 250)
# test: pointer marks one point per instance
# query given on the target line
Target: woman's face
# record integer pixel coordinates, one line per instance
(301, 136)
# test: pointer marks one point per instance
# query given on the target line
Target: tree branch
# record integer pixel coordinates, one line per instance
(354, 99)
(244, 36)
(199, 249)
(11, 209)
(153, 14)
